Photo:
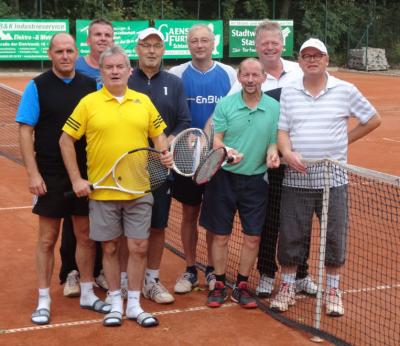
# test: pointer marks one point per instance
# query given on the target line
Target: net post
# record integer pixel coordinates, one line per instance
(322, 245)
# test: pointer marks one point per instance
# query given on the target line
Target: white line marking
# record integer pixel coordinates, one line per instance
(79, 323)
(16, 208)
(390, 140)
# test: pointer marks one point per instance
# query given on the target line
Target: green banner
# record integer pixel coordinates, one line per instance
(242, 34)
(175, 33)
(125, 35)
(28, 39)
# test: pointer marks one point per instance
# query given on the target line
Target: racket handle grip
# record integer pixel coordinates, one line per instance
(230, 159)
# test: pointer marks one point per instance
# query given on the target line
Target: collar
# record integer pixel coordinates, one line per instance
(203, 72)
(129, 94)
(138, 72)
(261, 104)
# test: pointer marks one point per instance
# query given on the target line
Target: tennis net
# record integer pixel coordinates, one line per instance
(370, 275)
(9, 101)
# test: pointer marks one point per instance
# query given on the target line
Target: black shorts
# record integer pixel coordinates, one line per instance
(186, 191)
(161, 206)
(227, 193)
(54, 204)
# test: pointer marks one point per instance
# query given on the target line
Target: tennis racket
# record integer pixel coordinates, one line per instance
(138, 171)
(188, 149)
(212, 163)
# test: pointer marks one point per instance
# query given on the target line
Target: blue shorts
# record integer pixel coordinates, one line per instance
(186, 191)
(53, 204)
(227, 193)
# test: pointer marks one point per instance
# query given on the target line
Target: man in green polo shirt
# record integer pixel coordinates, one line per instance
(246, 121)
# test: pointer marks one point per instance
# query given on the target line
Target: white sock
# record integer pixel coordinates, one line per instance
(133, 308)
(332, 281)
(44, 299)
(151, 275)
(124, 276)
(289, 278)
(87, 295)
(116, 300)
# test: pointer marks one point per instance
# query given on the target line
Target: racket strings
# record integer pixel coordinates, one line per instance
(189, 150)
(210, 165)
(140, 171)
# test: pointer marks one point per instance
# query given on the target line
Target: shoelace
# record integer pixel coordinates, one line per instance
(72, 279)
(156, 289)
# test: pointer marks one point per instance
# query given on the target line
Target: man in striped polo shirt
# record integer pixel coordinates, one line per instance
(313, 125)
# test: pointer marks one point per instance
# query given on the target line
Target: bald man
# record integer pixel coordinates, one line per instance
(47, 102)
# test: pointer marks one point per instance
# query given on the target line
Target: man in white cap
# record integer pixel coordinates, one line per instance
(324, 104)
(166, 92)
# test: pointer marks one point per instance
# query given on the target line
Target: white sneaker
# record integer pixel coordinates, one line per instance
(101, 281)
(71, 286)
(185, 283)
(157, 292)
(286, 297)
(210, 281)
(334, 303)
(306, 286)
(265, 286)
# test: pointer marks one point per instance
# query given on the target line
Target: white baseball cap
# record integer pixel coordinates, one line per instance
(314, 43)
(150, 31)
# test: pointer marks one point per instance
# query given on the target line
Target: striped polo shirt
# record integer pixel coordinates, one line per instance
(318, 126)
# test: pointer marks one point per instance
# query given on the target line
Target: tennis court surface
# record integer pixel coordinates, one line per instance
(371, 280)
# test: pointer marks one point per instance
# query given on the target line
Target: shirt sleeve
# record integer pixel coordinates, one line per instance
(283, 123)
(75, 125)
(360, 107)
(29, 110)
(156, 122)
(219, 118)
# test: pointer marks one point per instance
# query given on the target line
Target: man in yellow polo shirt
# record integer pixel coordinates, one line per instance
(115, 120)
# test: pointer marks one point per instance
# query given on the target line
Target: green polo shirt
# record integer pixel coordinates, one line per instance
(249, 131)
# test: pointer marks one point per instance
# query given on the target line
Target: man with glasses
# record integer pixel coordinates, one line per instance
(314, 124)
(205, 82)
(166, 92)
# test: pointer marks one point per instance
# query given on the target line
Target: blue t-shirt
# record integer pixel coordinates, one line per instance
(204, 89)
(83, 67)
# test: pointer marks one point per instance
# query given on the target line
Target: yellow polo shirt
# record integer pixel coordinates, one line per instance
(112, 129)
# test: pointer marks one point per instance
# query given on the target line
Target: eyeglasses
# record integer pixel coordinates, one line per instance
(196, 42)
(148, 46)
(316, 57)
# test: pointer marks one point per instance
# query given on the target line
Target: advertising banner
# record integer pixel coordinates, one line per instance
(28, 39)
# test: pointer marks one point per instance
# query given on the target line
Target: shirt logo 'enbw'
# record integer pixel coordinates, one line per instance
(205, 100)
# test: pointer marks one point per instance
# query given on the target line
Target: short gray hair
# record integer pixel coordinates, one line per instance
(200, 26)
(268, 25)
(114, 50)
(253, 60)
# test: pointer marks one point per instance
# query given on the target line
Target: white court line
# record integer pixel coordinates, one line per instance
(391, 140)
(16, 208)
(79, 323)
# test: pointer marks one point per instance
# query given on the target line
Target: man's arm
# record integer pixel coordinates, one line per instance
(36, 183)
(80, 186)
(362, 130)
(218, 142)
(292, 158)
(161, 144)
(272, 160)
